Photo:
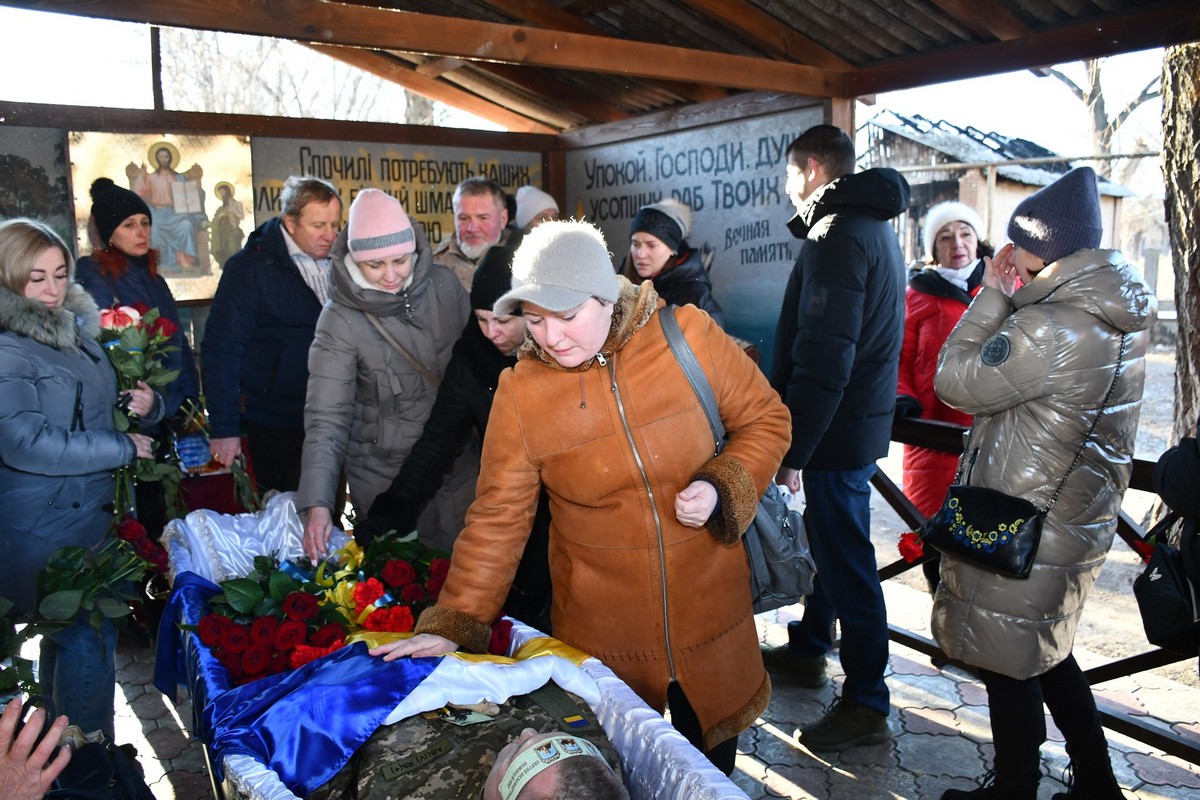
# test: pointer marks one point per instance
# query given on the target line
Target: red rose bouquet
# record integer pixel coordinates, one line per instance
(270, 622)
(136, 338)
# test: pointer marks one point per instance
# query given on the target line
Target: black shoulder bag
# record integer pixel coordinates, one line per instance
(781, 564)
(995, 531)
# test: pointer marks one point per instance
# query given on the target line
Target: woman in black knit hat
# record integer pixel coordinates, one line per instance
(123, 270)
(659, 252)
(1053, 373)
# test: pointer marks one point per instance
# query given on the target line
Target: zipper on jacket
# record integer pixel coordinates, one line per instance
(662, 556)
(77, 420)
(971, 465)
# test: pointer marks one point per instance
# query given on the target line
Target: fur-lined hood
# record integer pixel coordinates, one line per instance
(78, 319)
(633, 309)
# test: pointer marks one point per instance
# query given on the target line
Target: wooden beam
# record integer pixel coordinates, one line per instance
(356, 26)
(545, 14)
(768, 33)
(144, 120)
(1175, 23)
(566, 97)
(839, 112)
(987, 18)
(738, 107)
(391, 69)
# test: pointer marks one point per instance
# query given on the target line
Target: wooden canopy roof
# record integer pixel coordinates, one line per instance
(548, 66)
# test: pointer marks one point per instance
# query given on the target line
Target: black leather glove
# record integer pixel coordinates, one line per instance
(908, 406)
(371, 529)
(386, 514)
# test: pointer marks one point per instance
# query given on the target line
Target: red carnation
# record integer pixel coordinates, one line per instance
(212, 629)
(305, 653)
(911, 547)
(164, 328)
(501, 637)
(290, 633)
(140, 307)
(256, 659)
(327, 634)
(395, 619)
(236, 639)
(439, 568)
(262, 631)
(365, 593)
(398, 572)
(1143, 549)
(300, 605)
(413, 593)
(130, 530)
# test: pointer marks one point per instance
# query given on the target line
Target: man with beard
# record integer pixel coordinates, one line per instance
(480, 221)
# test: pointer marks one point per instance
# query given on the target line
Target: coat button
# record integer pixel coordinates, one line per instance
(75, 504)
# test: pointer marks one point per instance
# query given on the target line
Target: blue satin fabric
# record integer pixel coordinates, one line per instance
(303, 724)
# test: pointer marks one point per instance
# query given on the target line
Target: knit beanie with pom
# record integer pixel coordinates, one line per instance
(112, 205)
(378, 228)
(558, 266)
(1061, 218)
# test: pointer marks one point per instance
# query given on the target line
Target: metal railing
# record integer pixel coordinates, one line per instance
(948, 438)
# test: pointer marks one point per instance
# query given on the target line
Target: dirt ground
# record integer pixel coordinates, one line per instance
(1111, 626)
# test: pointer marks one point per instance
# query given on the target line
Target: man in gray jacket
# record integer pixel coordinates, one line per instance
(480, 221)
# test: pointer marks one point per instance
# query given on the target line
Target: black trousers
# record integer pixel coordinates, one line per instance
(275, 454)
(1019, 728)
(683, 719)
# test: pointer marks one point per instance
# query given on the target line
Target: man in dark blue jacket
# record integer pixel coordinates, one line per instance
(264, 315)
(837, 351)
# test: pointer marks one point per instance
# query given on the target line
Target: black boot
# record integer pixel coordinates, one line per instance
(1074, 710)
(1090, 778)
(990, 789)
(986, 791)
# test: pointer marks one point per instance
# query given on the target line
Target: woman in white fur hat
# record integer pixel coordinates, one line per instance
(937, 296)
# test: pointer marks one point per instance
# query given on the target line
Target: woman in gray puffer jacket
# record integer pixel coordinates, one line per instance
(367, 401)
(57, 452)
(1035, 366)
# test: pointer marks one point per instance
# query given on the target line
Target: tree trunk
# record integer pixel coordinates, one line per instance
(1181, 173)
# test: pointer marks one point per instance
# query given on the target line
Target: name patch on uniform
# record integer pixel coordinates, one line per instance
(416, 760)
(995, 350)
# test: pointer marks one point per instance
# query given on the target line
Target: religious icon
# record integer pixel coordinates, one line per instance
(226, 223)
(176, 199)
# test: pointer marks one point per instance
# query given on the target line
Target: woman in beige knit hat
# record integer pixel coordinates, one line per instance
(647, 569)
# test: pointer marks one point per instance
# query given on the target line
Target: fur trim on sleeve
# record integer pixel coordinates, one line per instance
(739, 498)
(469, 633)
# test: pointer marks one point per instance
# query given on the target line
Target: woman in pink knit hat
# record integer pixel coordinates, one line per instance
(381, 345)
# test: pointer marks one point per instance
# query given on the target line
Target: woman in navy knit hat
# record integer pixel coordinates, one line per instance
(659, 253)
(1048, 368)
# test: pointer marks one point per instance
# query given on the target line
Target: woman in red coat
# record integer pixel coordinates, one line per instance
(937, 296)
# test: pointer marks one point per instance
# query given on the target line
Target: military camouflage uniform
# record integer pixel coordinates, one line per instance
(436, 759)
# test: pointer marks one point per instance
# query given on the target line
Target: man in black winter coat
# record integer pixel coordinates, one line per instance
(837, 351)
(263, 319)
